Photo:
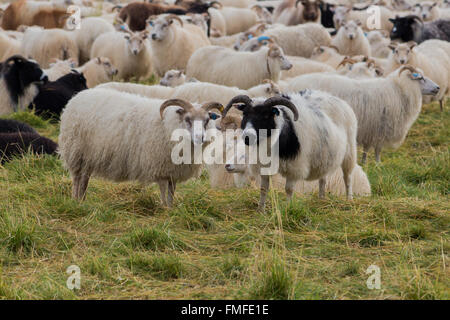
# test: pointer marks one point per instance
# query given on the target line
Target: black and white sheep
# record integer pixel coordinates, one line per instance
(411, 28)
(11, 126)
(19, 79)
(315, 133)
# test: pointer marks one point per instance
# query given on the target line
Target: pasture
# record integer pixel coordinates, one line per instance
(214, 244)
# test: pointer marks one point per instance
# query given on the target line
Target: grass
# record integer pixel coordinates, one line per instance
(214, 244)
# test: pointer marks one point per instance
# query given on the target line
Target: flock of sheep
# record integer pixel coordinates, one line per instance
(315, 72)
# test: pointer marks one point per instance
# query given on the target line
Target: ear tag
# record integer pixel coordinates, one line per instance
(262, 38)
(213, 116)
(415, 75)
(276, 111)
(250, 36)
(150, 23)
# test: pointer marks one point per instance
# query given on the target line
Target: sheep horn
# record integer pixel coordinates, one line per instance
(213, 105)
(238, 99)
(345, 61)
(219, 5)
(174, 17)
(175, 102)
(407, 67)
(274, 101)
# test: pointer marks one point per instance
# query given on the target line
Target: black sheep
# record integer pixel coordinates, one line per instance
(14, 144)
(411, 28)
(11, 126)
(53, 96)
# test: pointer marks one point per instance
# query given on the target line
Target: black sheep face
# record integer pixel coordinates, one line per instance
(403, 28)
(258, 120)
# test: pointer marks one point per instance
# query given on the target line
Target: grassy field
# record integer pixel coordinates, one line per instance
(214, 244)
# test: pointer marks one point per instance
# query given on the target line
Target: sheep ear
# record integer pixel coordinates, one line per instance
(392, 46)
(411, 44)
(359, 23)
(98, 60)
(391, 20)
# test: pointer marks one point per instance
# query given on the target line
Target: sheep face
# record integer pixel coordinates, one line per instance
(310, 10)
(340, 15)
(194, 118)
(276, 57)
(20, 72)
(136, 41)
(107, 66)
(401, 5)
(200, 20)
(424, 10)
(173, 78)
(427, 86)
(402, 52)
(351, 29)
(162, 28)
(404, 27)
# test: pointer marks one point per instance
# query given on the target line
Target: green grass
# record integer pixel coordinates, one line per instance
(214, 244)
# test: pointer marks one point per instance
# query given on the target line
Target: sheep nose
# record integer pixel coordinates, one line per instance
(153, 36)
(135, 52)
(228, 167)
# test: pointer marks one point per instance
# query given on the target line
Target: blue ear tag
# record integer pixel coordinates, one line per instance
(250, 36)
(150, 23)
(276, 111)
(213, 116)
(415, 75)
(262, 38)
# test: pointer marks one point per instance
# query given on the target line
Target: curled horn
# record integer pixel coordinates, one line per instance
(261, 27)
(238, 99)
(213, 105)
(175, 102)
(174, 17)
(406, 67)
(334, 47)
(345, 61)
(275, 88)
(274, 101)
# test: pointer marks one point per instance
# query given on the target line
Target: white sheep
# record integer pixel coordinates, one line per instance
(194, 91)
(98, 70)
(128, 51)
(427, 56)
(430, 11)
(316, 135)
(385, 108)
(328, 55)
(125, 137)
(59, 68)
(90, 29)
(379, 44)
(8, 46)
(355, 69)
(173, 43)
(367, 17)
(241, 69)
(350, 40)
(46, 45)
(173, 78)
(238, 19)
(304, 66)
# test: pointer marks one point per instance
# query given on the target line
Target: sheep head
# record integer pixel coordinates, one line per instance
(310, 9)
(402, 52)
(173, 78)
(275, 56)
(425, 10)
(427, 86)
(136, 41)
(194, 119)
(161, 27)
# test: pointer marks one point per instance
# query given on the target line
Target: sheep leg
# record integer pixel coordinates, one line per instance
(289, 188)
(322, 183)
(163, 190)
(377, 154)
(171, 192)
(348, 175)
(82, 186)
(75, 185)
(264, 189)
(364, 155)
(441, 105)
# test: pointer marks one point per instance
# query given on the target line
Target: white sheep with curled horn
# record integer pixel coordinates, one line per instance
(315, 133)
(125, 137)
(173, 42)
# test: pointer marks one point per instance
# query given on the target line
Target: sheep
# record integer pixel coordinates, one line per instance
(359, 69)
(241, 69)
(173, 44)
(142, 151)
(303, 66)
(98, 70)
(54, 95)
(385, 108)
(11, 126)
(90, 29)
(45, 45)
(173, 78)
(238, 19)
(195, 91)
(290, 12)
(59, 68)
(429, 58)
(350, 39)
(8, 46)
(237, 3)
(29, 13)
(299, 40)
(429, 11)
(128, 51)
(238, 173)
(342, 14)
(264, 15)
(379, 44)
(218, 25)
(327, 13)
(316, 135)
(17, 143)
(411, 28)
(19, 79)
(135, 14)
(327, 54)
